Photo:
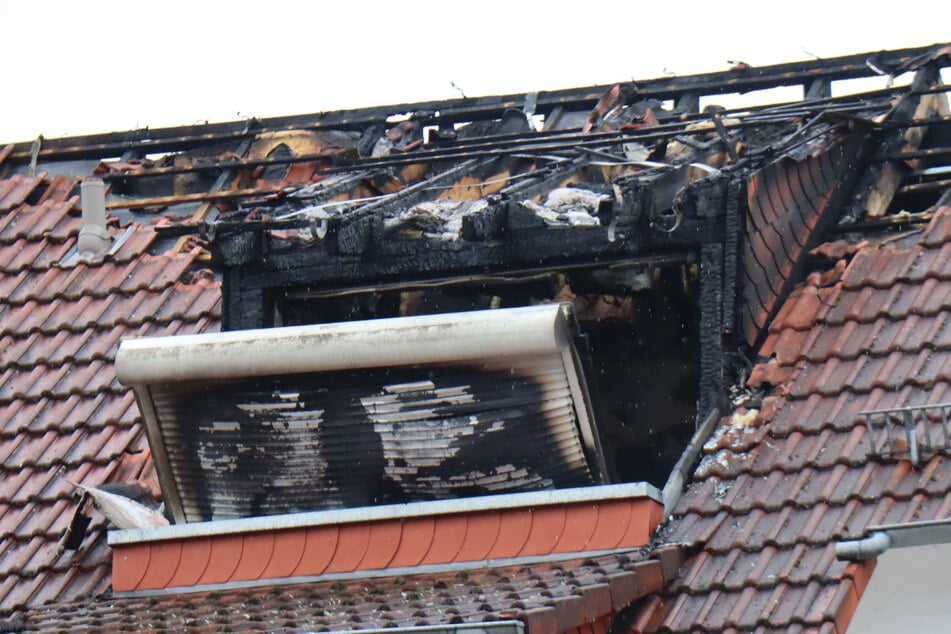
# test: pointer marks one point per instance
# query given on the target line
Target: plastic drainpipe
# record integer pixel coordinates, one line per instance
(862, 549)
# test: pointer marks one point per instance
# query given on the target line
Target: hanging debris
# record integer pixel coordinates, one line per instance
(122, 511)
(570, 207)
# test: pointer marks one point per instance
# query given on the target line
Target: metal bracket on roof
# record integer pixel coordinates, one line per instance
(909, 431)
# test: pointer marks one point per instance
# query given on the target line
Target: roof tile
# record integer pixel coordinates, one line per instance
(34, 255)
(144, 273)
(82, 347)
(537, 594)
(59, 188)
(82, 446)
(880, 268)
(63, 416)
(768, 517)
(68, 413)
(938, 233)
(49, 220)
(178, 302)
(15, 189)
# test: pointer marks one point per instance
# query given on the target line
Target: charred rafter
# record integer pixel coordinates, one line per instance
(474, 109)
(553, 141)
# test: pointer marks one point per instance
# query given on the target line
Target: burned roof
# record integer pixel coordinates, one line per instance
(802, 466)
(614, 181)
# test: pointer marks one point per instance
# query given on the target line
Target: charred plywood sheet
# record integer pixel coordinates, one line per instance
(389, 411)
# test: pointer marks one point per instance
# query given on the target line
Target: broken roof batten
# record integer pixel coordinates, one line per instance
(529, 499)
(457, 110)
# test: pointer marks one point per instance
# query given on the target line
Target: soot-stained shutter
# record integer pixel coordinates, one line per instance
(354, 414)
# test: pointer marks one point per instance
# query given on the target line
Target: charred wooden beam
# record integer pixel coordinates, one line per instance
(713, 379)
(471, 109)
(878, 186)
(925, 187)
(650, 197)
(818, 89)
(229, 164)
(550, 140)
(724, 137)
(406, 261)
(914, 123)
(487, 224)
(165, 201)
(223, 180)
(689, 102)
(244, 305)
(929, 153)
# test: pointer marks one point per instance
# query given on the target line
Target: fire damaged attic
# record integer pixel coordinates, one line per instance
(673, 232)
(487, 336)
(625, 202)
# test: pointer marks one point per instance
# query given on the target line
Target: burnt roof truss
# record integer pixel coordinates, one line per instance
(622, 178)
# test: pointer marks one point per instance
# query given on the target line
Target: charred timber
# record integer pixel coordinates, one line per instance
(481, 147)
(937, 152)
(481, 108)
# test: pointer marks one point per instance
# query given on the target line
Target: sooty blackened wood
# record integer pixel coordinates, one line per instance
(353, 236)
(713, 385)
(245, 306)
(487, 224)
(425, 259)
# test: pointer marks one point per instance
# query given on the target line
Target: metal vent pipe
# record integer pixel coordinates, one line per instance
(93, 237)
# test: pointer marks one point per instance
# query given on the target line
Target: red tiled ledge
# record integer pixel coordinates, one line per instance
(387, 540)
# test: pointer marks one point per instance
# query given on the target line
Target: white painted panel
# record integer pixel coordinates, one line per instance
(909, 592)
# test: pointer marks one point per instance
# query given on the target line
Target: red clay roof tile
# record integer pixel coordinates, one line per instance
(15, 189)
(34, 255)
(50, 220)
(145, 273)
(63, 416)
(766, 515)
(58, 189)
(938, 234)
(786, 201)
(561, 596)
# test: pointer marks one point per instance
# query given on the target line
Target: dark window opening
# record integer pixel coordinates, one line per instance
(274, 173)
(641, 325)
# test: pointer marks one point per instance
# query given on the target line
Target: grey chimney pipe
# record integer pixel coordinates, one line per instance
(94, 239)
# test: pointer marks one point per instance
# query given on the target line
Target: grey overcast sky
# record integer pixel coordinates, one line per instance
(71, 67)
